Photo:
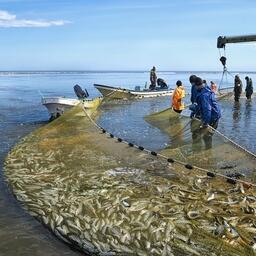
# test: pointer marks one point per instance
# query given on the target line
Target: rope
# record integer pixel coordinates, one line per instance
(40, 93)
(231, 141)
(225, 72)
(171, 160)
(219, 52)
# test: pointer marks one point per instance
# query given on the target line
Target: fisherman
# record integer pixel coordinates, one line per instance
(238, 86)
(249, 88)
(207, 110)
(153, 78)
(192, 79)
(178, 95)
(213, 87)
(162, 83)
(207, 105)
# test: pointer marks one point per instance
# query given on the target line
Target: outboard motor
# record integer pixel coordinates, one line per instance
(80, 93)
(161, 83)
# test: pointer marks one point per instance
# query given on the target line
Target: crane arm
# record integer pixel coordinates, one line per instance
(223, 40)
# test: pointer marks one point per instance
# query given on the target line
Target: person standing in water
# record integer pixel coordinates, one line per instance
(249, 88)
(208, 111)
(153, 78)
(238, 87)
(178, 95)
(192, 79)
(207, 105)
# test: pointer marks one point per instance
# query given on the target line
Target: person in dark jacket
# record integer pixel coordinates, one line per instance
(153, 78)
(207, 106)
(162, 83)
(249, 88)
(192, 79)
(238, 87)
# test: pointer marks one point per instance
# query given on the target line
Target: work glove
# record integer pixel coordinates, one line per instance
(193, 107)
(192, 115)
(206, 127)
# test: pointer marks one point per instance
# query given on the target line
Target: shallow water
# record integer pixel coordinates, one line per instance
(21, 112)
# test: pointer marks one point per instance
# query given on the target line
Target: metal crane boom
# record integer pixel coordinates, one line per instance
(223, 40)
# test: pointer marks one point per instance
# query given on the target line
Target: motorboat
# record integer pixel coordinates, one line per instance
(56, 106)
(122, 93)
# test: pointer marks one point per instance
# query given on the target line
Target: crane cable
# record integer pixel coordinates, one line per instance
(225, 70)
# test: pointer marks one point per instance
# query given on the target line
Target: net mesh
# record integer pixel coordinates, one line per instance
(107, 198)
(202, 147)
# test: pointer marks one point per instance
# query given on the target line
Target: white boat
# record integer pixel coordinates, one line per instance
(121, 93)
(58, 105)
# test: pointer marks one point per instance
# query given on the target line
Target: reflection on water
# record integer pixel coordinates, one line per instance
(243, 123)
(236, 114)
(201, 138)
(247, 112)
(125, 119)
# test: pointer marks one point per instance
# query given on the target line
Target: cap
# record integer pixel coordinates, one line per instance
(178, 83)
(198, 81)
(192, 78)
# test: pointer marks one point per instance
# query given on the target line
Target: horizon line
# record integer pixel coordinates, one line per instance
(125, 70)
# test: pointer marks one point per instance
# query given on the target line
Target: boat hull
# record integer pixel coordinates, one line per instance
(56, 106)
(121, 93)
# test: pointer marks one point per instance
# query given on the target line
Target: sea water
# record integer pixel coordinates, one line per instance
(21, 112)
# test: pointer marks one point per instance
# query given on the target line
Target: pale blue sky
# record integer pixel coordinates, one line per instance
(123, 34)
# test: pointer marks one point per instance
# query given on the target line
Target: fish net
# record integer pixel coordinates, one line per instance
(204, 148)
(108, 198)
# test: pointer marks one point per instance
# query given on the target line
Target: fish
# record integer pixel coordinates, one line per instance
(193, 214)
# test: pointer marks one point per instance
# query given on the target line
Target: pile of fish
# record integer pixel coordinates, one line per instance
(106, 198)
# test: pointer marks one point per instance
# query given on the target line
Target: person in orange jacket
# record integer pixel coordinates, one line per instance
(178, 95)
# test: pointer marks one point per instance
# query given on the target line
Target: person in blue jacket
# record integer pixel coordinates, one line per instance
(192, 79)
(207, 106)
(208, 111)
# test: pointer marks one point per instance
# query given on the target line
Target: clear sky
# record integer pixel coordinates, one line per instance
(124, 34)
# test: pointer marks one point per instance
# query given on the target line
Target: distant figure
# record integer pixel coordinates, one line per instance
(207, 105)
(249, 88)
(162, 83)
(205, 83)
(153, 78)
(238, 87)
(178, 95)
(213, 87)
